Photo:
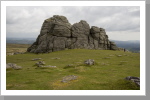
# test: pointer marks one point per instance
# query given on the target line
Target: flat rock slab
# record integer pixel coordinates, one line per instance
(16, 53)
(136, 80)
(40, 63)
(36, 59)
(69, 78)
(47, 66)
(12, 65)
(9, 54)
(89, 62)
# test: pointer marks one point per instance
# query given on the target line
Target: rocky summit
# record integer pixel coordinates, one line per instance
(58, 34)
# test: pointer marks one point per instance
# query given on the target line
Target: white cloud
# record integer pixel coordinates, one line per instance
(123, 35)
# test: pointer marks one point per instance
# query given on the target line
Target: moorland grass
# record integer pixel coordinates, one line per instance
(108, 73)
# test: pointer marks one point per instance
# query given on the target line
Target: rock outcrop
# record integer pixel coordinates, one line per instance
(58, 34)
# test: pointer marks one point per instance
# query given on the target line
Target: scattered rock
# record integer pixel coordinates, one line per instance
(36, 59)
(119, 55)
(15, 53)
(40, 63)
(56, 58)
(89, 62)
(9, 54)
(12, 65)
(47, 66)
(50, 66)
(69, 78)
(17, 67)
(70, 65)
(136, 80)
(58, 34)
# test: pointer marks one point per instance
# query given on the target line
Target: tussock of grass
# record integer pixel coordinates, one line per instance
(105, 74)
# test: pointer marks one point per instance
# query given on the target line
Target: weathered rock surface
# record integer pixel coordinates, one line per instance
(69, 78)
(16, 53)
(40, 63)
(58, 34)
(47, 66)
(136, 80)
(89, 62)
(12, 65)
(36, 59)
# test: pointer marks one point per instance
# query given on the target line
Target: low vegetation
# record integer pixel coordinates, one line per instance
(11, 48)
(108, 72)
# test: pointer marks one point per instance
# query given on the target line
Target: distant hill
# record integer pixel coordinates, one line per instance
(20, 40)
(133, 45)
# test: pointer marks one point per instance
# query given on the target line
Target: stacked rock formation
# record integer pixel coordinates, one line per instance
(58, 34)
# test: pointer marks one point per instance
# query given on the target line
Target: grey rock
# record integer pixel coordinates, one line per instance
(50, 66)
(95, 32)
(61, 30)
(36, 59)
(58, 34)
(136, 80)
(80, 29)
(9, 54)
(89, 62)
(46, 66)
(69, 78)
(40, 63)
(113, 46)
(17, 67)
(15, 53)
(59, 43)
(12, 65)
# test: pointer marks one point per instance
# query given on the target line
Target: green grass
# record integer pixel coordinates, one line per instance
(11, 48)
(107, 74)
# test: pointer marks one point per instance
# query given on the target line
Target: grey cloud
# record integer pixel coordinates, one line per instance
(111, 18)
(28, 20)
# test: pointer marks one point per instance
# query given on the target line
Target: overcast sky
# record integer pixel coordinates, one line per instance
(120, 23)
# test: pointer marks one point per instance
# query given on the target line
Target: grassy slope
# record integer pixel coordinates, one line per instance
(107, 74)
(11, 48)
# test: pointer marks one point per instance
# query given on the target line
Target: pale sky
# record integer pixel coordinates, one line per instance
(120, 22)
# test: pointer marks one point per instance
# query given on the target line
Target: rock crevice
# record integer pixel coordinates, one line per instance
(58, 34)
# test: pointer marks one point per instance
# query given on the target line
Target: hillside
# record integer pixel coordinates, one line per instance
(132, 45)
(108, 72)
(20, 40)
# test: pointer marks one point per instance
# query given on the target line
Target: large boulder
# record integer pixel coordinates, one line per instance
(80, 30)
(58, 34)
